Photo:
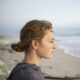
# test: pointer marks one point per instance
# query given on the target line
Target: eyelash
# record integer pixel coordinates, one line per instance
(51, 41)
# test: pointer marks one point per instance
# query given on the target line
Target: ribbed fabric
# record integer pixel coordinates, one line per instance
(25, 71)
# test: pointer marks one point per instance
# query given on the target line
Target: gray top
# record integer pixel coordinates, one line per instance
(25, 71)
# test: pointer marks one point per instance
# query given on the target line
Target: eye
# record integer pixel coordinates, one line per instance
(51, 41)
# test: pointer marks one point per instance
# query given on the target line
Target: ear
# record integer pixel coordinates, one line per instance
(35, 44)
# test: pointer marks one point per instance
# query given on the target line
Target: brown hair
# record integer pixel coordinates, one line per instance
(34, 29)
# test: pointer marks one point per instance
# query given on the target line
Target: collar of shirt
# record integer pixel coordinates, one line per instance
(34, 66)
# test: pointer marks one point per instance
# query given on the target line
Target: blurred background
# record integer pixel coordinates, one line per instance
(65, 17)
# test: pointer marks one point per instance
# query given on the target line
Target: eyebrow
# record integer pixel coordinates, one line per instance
(53, 38)
(52, 31)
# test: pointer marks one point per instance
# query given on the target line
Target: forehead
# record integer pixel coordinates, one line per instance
(49, 34)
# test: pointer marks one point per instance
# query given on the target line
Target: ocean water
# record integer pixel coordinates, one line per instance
(70, 44)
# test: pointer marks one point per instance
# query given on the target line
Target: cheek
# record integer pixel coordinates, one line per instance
(41, 51)
(48, 50)
(45, 51)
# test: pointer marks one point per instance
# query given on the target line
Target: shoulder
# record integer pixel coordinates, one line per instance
(24, 74)
(21, 72)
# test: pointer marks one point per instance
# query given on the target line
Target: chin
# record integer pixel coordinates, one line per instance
(48, 57)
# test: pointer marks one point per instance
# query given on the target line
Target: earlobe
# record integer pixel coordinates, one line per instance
(34, 44)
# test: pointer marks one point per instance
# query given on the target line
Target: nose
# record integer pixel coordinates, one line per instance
(54, 45)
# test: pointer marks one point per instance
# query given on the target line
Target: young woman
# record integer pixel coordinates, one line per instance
(37, 41)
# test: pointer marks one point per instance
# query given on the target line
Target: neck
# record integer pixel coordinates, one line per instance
(31, 58)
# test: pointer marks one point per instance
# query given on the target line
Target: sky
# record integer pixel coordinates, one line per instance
(59, 12)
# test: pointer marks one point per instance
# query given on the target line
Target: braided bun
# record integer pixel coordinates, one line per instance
(17, 47)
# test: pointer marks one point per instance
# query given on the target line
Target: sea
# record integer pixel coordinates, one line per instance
(70, 44)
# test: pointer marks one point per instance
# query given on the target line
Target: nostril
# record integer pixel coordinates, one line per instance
(54, 46)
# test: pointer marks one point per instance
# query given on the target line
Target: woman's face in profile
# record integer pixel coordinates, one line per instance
(47, 46)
